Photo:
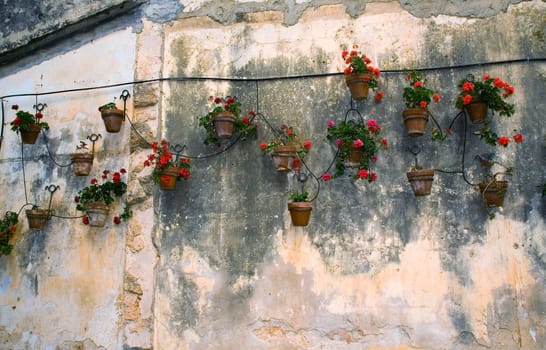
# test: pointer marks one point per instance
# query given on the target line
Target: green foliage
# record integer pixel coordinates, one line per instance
(358, 62)
(162, 158)
(109, 105)
(286, 136)
(102, 192)
(417, 95)
(8, 225)
(296, 196)
(23, 120)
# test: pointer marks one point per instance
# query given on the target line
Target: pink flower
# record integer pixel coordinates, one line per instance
(331, 123)
(363, 173)
(374, 176)
(358, 143)
(373, 159)
(326, 177)
(373, 126)
(339, 142)
(307, 145)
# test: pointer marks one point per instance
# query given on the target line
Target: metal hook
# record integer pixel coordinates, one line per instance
(415, 150)
(177, 149)
(93, 138)
(125, 95)
(52, 189)
(39, 107)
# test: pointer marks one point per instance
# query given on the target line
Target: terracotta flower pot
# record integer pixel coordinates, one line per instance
(168, 178)
(31, 135)
(353, 161)
(113, 119)
(97, 213)
(421, 181)
(300, 212)
(82, 163)
(283, 157)
(358, 84)
(493, 192)
(37, 218)
(223, 123)
(415, 120)
(477, 111)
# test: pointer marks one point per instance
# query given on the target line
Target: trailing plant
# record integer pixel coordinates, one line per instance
(23, 120)
(8, 226)
(418, 95)
(286, 136)
(492, 91)
(162, 158)
(360, 136)
(241, 125)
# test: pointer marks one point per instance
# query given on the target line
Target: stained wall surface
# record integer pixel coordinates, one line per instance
(216, 263)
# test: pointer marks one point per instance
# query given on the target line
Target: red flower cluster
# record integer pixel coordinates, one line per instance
(504, 140)
(163, 158)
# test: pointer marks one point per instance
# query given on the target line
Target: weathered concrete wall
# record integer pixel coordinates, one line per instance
(216, 263)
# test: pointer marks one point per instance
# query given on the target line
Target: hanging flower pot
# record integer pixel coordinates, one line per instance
(283, 157)
(31, 135)
(300, 212)
(477, 111)
(168, 178)
(354, 159)
(97, 213)
(37, 218)
(359, 84)
(112, 117)
(493, 192)
(415, 120)
(82, 163)
(223, 123)
(421, 181)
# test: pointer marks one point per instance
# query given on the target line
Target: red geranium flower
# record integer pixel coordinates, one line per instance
(85, 220)
(436, 97)
(423, 104)
(467, 99)
(326, 177)
(518, 138)
(503, 141)
(379, 96)
(117, 220)
(307, 144)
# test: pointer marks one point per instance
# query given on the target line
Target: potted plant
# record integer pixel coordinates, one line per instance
(224, 120)
(420, 180)
(299, 207)
(360, 74)
(8, 226)
(94, 200)
(417, 98)
(167, 169)
(82, 160)
(28, 124)
(358, 144)
(493, 189)
(476, 97)
(112, 117)
(286, 148)
(37, 217)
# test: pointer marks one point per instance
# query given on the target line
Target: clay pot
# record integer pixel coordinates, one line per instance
(82, 163)
(493, 192)
(300, 212)
(224, 123)
(168, 178)
(421, 181)
(113, 119)
(97, 213)
(415, 120)
(283, 157)
(477, 111)
(37, 218)
(353, 161)
(358, 84)
(31, 135)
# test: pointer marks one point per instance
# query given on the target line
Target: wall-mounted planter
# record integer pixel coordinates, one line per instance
(300, 212)
(113, 119)
(353, 161)
(97, 213)
(168, 178)
(493, 192)
(283, 157)
(37, 218)
(421, 181)
(31, 135)
(224, 123)
(477, 111)
(82, 163)
(415, 120)
(358, 84)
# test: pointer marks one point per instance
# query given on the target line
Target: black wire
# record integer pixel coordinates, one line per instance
(51, 156)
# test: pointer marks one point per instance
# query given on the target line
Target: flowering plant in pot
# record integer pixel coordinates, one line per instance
(112, 117)
(166, 168)
(8, 226)
(299, 207)
(493, 188)
(417, 98)
(224, 120)
(477, 96)
(82, 159)
(360, 74)
(28, 124)
(358, 144)
(96, 198)
(286, 148)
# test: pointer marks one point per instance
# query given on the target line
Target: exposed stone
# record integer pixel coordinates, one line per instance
(145, 95)
(140, 136)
